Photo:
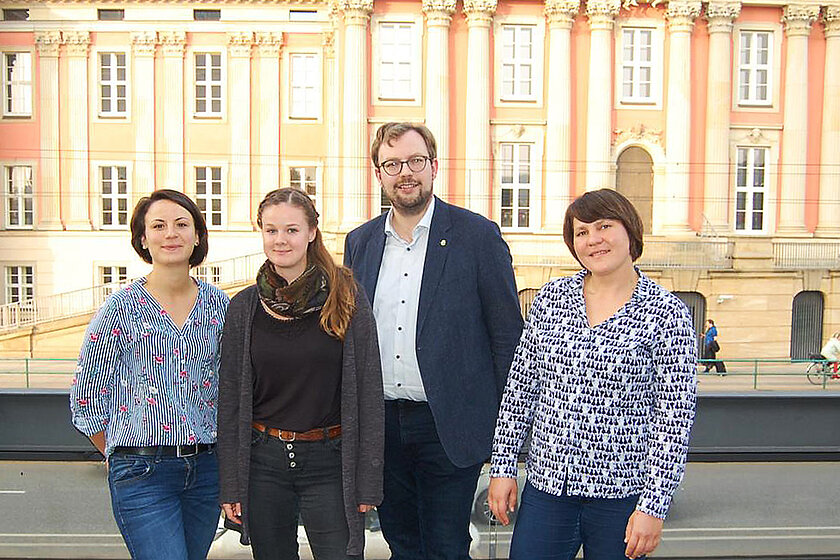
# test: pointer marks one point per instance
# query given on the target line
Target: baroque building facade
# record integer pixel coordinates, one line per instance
(720, 120)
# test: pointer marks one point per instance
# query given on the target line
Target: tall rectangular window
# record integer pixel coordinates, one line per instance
(754, 66)
(305, 81)
(20, 283)
(208, 194)
(113, 84)
(516, 185)
(750, 189)
(395, 64)
(111, 278)
(518, 62)
(212, 274)
(114, 183)
(208, 84)
(305, 179)
(19, 197)
(17, 84)
(637, 65)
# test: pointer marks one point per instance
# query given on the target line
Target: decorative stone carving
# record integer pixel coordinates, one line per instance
(438, 12)
(356, 12)
(627, 4)
(602, 11)
(756, 136)
(638, 133)
(561, 11)
(239, 43)
(143, 43)
(328, 42)
(173, 42)
(798, 19)
(831, 20)
(480, 6)
(720, 16)
(48, 42)
(681, 15)
(268, 43)
(78, 42)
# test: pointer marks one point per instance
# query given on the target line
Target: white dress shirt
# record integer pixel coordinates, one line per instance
(395, 306)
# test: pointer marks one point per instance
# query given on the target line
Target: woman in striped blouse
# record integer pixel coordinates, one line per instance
(604, 377)
(146, 387)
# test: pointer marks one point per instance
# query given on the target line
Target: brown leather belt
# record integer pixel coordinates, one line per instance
(315, 434)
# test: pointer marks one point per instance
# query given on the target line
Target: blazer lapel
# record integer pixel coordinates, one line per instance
(374, 249)
(436, 253)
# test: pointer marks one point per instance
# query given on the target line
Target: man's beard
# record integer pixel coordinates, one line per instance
(413, 206)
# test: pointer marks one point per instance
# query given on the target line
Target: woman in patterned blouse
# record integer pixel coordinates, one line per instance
(604, 377)
(146, 387)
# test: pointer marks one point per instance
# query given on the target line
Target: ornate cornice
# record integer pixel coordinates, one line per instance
(639, 133)
(561, 12)
(798, 19)
(628, 4)
(78, 42)
(143, 43)
(601, 13)
(48, 42)
(720, 16)
(173, 42)
(831, 20)
(239, 43)
(268, 43)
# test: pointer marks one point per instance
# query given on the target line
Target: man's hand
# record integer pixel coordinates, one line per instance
(233, 512)
(642, 534)
(502, 498)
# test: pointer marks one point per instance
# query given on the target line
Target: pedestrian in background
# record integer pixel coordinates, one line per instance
(146, 386)
(831, 351)
(604, 380)
(300, 403)
(711, 348)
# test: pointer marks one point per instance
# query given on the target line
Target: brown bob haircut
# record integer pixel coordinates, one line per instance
(391, 131)
(138, 223)
(604, 204)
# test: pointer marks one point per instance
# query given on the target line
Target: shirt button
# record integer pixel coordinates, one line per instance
(289, 446)
(291, 455)
(398, 356)
(405, 273)
(399, 328)
(408, 248)
(402, 301)
(399, 384)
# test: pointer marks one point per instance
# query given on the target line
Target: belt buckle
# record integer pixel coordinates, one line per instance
(193, 450)
(280, 435)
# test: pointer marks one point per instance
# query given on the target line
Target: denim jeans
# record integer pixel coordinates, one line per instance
(550, 527)
(167, 508)
(425, 514)
(292, 481)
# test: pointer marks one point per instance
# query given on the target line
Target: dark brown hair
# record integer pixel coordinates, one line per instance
(391, 131)
(604, 204)
(341, 302)
(138, 223)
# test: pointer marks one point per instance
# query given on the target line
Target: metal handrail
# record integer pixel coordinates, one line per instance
(64, 305)
(811, 254)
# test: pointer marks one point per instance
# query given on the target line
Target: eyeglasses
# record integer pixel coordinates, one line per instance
(394, 167)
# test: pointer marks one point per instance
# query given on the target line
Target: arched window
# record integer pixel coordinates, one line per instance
(696, 303)
(634, 179)
(806, 325)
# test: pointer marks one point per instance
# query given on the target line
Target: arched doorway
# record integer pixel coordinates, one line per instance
(806, 324)
(634, 179)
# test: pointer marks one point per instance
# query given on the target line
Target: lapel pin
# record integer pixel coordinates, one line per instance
(443, 242)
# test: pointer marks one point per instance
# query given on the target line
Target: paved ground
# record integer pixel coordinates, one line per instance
(722, 510)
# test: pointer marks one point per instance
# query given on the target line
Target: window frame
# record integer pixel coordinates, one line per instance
(7, 168)
(750, 190)
(752, 100)
(775, 77)
(209, 273)
(222, 196)
(208, 83)
(316, 113)
(537, 26)
(114, 84)
(100, 181)
(8, 286)
(515, 186)
(29, 85)
(657, 62)
(413, 95)
(319, 175)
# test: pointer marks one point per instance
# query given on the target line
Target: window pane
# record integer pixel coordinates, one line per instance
(523, 218)
(524, 198)
(507, 218)
(507, 198)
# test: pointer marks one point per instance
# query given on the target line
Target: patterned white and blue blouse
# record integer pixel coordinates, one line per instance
(610, 406)
(144, 380)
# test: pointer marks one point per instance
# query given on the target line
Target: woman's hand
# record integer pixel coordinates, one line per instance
(642, 534)
(502, 498)
(364, 508)
(233, 512)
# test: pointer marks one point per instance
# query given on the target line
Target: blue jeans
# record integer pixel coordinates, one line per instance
(425, 514)
(292, 481)
(167, 508)
(550, 527)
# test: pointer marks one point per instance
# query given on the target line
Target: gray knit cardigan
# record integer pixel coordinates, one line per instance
(362, 412)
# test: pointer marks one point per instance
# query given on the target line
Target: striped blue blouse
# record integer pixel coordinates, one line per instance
(142, 379)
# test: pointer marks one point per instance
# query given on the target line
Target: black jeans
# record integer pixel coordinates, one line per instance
(292, 480)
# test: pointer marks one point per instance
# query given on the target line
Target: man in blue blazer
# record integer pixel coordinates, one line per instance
(442, 288)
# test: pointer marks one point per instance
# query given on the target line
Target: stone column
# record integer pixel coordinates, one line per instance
(601, 14)
(438, 17)
(239, 112)
(269, 45)
(558, 133)
(75, 159)
(143, 46)
(681, 15)
(331, 186)
(48, 201)
(478, 177)
(829, 217)
(720, 16)
(797, 20)
(170, 159)
(355, 143)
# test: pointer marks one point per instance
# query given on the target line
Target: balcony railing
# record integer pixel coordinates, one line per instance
(809, 254)
(226, 273)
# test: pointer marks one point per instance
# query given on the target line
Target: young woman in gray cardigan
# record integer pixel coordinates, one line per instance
(300, 415)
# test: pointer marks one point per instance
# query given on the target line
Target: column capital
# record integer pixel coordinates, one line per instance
(561, 12)
(831, 20)
(601, 13)
(798, 19)
(173, 42)
(720, 16)
(239, 43)
(328, 42)
(48, 42)
(78, 42)
(681, 15)
(480, 12)
(268, 43)
(439, 12)
(356, 11)
(143, 43)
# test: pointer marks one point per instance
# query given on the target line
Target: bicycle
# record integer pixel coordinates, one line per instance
(820, 369)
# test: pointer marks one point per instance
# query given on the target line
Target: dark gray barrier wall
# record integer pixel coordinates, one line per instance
(761, 426)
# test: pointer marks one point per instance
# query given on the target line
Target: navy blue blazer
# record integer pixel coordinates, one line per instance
(468, 321)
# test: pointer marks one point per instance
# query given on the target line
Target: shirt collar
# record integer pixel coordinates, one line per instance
(425, 221)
